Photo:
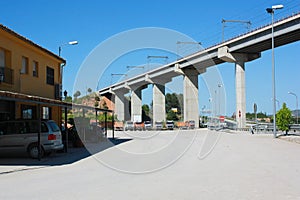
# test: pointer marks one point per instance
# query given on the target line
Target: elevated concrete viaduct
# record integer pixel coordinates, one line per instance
(238, 50)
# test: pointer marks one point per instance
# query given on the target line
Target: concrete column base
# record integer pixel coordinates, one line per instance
(120, 106)
(190, 95)
(136, 105)
(159, 103)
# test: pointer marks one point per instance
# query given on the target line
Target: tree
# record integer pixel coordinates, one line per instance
(284, 118)
(68, 99)
(180, 100)
(89, 90)
(145, 113)
(97, 98)
(172, 115)
(172, 102)
(77, 94)
(103, 105)
(146, 109)
(260, 115)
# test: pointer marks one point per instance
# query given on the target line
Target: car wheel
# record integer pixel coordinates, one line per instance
(33, 151)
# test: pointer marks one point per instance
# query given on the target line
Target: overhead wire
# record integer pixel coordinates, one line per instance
(257, 20)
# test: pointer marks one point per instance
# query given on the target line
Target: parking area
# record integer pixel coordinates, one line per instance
(221, 165)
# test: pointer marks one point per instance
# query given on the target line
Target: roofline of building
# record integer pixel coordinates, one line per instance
(19, 97)
(31, 43)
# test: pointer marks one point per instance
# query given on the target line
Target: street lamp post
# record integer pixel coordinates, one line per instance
(219, 86)
(278, 102)
(68, 43)
(74, 42)
(66, 123)
(271, 11)
(291, 93)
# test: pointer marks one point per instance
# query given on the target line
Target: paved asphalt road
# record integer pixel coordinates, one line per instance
(161, 165)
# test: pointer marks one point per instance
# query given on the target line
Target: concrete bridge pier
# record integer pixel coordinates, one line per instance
(190, 95)
(136, 105)
(239, 59)
(127, 116)
(120, 105)
(240, 94)
(159, 103)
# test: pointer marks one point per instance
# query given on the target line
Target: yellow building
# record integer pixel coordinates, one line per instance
(30, 69)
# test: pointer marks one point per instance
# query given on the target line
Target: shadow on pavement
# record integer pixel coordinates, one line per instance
(73, 155)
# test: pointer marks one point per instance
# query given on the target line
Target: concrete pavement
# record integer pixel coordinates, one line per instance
(239, 166)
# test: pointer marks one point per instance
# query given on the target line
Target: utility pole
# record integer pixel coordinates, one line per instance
(156, 57)
(248, 23)
(190, 43)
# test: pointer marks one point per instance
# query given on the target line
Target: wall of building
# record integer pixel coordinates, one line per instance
(27, 83)
(16, 47)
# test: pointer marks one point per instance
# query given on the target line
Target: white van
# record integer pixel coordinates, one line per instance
(22, 136)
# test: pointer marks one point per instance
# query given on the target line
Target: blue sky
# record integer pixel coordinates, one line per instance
(52, 23)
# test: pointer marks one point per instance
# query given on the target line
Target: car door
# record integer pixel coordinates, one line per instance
(11, 139)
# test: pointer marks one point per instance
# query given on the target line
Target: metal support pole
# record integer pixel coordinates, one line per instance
(105, 123)
(59, 51)
(39, 130)
(271, 11)
(273, 79)
(113, 125)
(66, 130)
(297, 108)
(96, 117)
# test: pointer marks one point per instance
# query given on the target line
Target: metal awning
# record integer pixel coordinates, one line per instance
(18, 97)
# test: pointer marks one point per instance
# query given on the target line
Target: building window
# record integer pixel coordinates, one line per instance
(24, 69)
(2, 64)
(50, 76)
(2, 58)
(35, 69)
(46, 113)
(28, 112)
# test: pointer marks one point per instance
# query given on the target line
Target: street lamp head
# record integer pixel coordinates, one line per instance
(270, 10)
(292, 93)
(73, 42)
(276, 7)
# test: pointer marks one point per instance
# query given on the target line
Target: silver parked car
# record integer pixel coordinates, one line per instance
(129, 126)
(158, 125)
(148, 125)
(22, 136)
(170, 125)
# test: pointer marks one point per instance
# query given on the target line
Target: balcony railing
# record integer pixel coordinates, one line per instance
(6, 75)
